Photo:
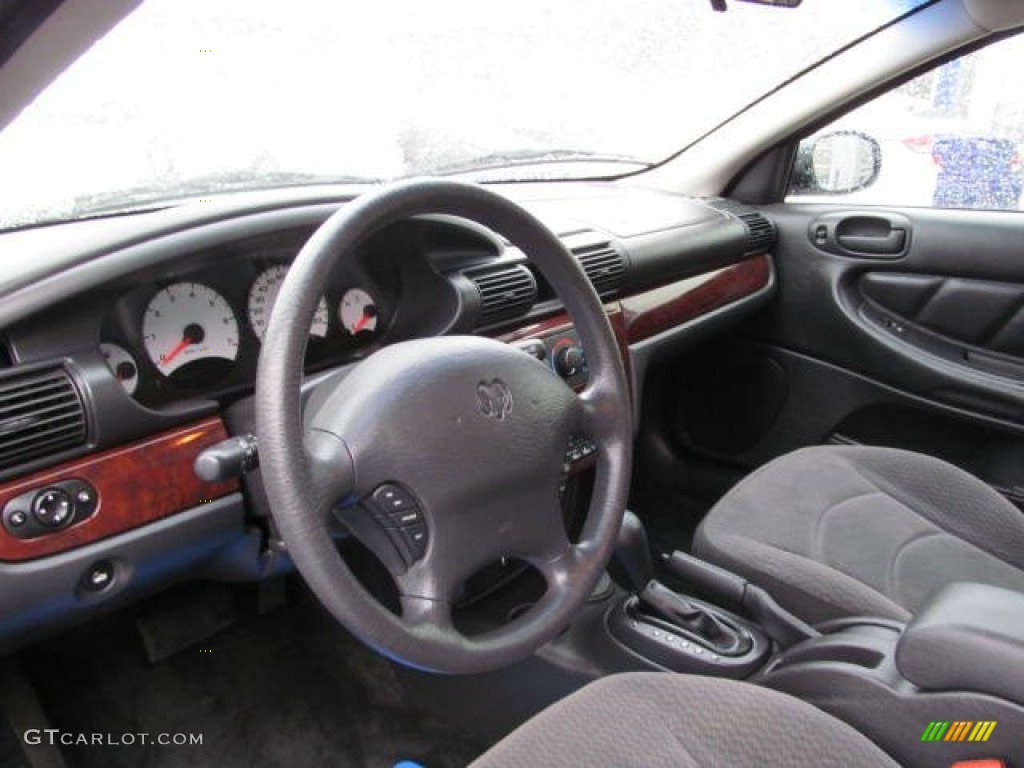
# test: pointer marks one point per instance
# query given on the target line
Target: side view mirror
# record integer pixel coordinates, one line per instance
(836, 163)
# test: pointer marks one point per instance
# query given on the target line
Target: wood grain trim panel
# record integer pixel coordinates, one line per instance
(542, 328)
(135, 484)
(648, 314)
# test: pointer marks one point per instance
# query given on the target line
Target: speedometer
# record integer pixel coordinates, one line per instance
(190, 331)
(262, 296)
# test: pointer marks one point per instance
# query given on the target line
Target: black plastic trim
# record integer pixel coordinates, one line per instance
(45, 595)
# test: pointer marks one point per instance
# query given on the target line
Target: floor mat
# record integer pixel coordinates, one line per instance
(286, 689)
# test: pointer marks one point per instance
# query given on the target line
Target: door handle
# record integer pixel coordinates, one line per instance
(892, 242)
(862, 234)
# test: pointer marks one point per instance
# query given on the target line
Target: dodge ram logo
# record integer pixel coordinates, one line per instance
(494, 399)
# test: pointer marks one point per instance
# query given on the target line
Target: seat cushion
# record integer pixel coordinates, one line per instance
(680, 721)
(840, 531)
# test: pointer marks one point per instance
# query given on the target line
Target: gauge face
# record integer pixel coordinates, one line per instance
(190, 332)
(262, 296)
(358, 312)
(122, 365)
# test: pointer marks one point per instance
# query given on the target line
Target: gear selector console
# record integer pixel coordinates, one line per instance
(688, 635)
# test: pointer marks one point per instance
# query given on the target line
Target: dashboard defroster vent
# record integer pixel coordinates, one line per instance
(506, 293)
(41, 413)
(604, 266)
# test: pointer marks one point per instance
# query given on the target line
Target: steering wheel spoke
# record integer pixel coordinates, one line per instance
(558, 570)
(424, 613)
(331, 475)
(599, 406)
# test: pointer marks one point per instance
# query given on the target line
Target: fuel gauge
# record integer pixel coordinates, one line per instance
(358, 312)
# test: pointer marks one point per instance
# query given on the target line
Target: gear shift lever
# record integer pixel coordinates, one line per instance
(633, 569)
(632, 565)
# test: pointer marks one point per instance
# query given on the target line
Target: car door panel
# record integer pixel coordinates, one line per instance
(942, 321)
(923, 350)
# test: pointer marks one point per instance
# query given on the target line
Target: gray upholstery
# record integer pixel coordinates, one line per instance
(975, 622)
(840, 531)
(680, 721)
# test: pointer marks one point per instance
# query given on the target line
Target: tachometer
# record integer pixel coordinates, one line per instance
(190, 330)
(262, 296)
(358, 311)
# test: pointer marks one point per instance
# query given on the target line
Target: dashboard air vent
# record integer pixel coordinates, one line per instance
(761, 234)
(506, 292)
(604, 266)
(41, 414)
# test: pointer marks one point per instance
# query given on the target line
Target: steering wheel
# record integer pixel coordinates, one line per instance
(461, 435)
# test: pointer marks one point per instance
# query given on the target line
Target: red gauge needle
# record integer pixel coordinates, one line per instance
(368, 315)
(193, 335)
(178, 349)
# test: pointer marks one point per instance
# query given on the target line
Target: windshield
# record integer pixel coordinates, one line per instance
(191, 98)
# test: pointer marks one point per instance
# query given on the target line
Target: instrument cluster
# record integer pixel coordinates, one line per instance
(198, 332)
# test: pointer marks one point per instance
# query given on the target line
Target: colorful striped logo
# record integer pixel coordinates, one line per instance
(958, 730)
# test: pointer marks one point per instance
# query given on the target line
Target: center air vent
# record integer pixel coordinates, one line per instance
(506, 293)
(41, 414)
(604, 266)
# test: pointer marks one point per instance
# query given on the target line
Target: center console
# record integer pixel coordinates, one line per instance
(947, 687)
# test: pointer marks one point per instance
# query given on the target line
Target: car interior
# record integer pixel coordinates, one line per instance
(566, 458)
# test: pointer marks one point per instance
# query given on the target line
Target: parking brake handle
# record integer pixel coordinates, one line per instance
(721, 585)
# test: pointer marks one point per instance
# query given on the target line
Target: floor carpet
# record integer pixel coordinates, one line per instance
(289, 688)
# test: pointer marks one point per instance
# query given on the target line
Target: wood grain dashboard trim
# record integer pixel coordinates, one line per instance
(648, 314)
(135, 484)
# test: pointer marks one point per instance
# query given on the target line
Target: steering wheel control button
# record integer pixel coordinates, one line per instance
(407, 517)
(416, 536)
(396, 510)
(391, 498)
(52, 507)
(98, 578)
(580, 453)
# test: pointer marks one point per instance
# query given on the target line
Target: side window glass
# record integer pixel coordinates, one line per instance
(950, 138)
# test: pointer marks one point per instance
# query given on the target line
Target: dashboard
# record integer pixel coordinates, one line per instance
(129, 347)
